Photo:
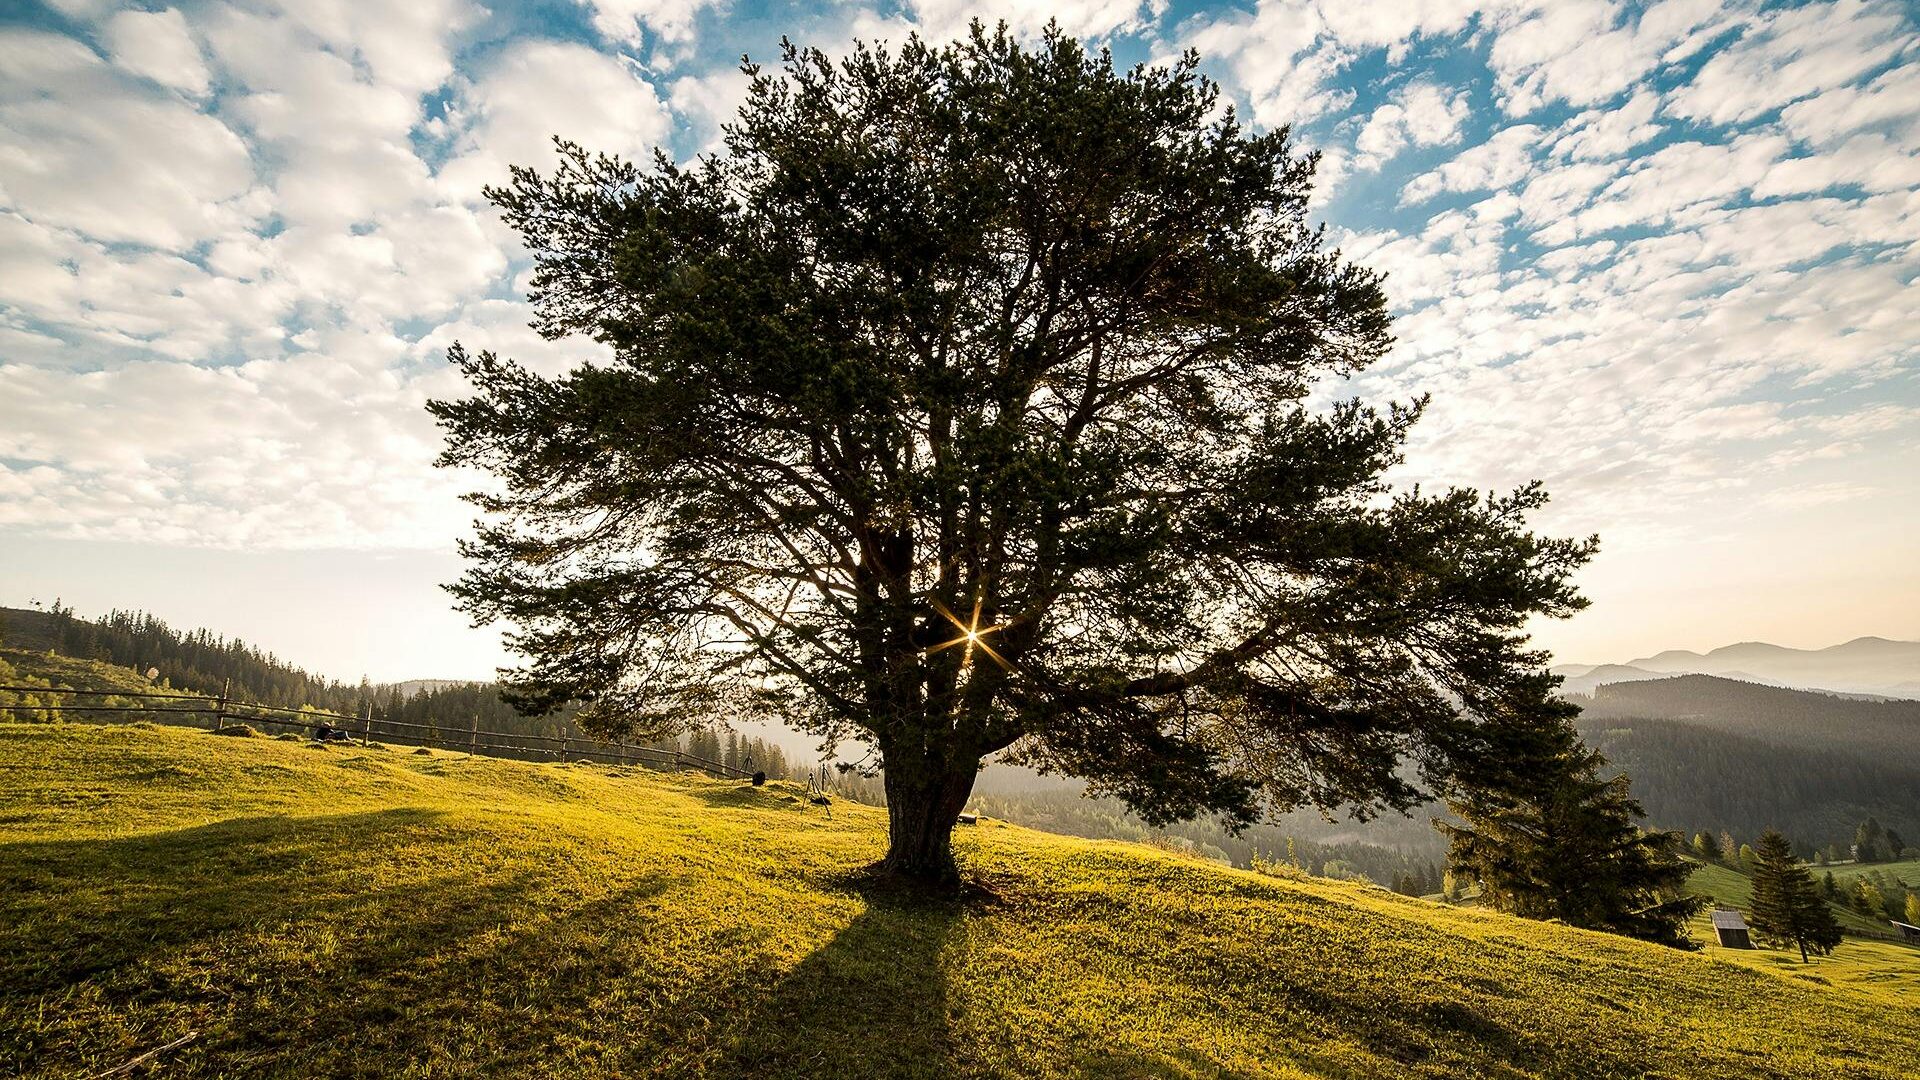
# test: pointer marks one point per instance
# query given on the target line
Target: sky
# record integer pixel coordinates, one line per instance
(1660, 256)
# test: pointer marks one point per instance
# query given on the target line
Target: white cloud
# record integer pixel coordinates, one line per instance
(1421, 114)
(629, 20)
(706, 102)
(1890, 102)
(1637, 320)
(535, 91)
(1598, 134)
(1506, 158)
(945, 20)
(1588, 51)
(84, 147)
(1790, 54)
(156, 45)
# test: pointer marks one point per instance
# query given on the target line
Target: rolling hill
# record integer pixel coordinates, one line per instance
(365, 912)
(1868, 665)
(1887, 730)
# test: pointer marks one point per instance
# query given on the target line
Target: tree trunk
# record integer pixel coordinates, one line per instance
(923, 805)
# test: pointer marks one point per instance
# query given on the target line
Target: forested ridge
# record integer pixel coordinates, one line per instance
(202, 662)
(1774, 714)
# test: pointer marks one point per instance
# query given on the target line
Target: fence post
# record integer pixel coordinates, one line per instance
(220, 711)
(566, 739)
(473, 741)
(366, 726)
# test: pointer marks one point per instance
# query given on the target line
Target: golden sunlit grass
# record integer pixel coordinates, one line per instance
(362, 912)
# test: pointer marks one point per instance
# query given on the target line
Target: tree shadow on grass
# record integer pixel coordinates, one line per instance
(287, 943)
(872, 1002)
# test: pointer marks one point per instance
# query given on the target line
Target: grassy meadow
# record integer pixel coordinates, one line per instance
(373, 912)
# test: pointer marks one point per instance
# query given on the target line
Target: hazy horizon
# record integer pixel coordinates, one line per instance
(1662, 258)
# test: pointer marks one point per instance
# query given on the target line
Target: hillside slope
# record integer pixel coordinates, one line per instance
(1887, 730)
(360, 912)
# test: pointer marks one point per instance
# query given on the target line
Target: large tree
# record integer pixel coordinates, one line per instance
(1550, 833)
(956, 406)
(1787, 906)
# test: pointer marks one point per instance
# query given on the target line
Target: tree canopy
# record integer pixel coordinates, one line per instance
(1549, 835)
(958, 405)
(1787, 906)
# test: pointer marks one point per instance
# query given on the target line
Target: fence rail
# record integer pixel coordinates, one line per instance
(473, 739)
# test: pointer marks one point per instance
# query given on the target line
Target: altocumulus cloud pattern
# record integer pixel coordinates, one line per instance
(1660, 255)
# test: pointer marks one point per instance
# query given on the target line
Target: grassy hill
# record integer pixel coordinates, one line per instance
(1734, 889)
(363, 912)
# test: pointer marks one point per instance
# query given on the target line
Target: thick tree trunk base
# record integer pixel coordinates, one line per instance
(922, 811)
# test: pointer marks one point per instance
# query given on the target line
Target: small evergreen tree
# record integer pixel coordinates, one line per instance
(1548, 836)
(1729, 851)
(1748, 859)
(1869, 840)
(1704, 848)
(1787, 909)
(1828, 890)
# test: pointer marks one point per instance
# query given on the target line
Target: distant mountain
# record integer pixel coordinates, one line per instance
(1868, 665)
(1709, 752)
(1583, 678)
(1886, 731)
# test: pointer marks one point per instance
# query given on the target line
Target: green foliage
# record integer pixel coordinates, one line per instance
(1734, 889)
(1787, 908)
(1704, 848)
(1913, 909)
(1548, 836)
(346, 913)
(1822, 773)
(957, 405)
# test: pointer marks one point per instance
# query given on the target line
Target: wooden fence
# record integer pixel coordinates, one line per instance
(474, 739)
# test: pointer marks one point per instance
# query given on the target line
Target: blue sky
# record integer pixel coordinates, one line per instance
(1661, 256)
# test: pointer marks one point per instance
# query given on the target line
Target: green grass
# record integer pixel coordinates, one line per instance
(1906, 870)
(1734, 889)
(360, 912)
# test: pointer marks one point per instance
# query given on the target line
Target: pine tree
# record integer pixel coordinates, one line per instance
(1704, 848)
(1829, 890)
(1748, 859)
(1548, 836)
(1868, 841)
(1729, 851)
(1787, 909)
(954, 396)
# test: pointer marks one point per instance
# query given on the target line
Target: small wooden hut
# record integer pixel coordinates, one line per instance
(1731, 929)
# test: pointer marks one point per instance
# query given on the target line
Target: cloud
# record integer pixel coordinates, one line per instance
(1674, 267)
(82, 145)
(1790, 54)
(534, 91)
(156, 45)
(1589, 51)
(1506, 158)
(1421, 114)
(628, 21)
